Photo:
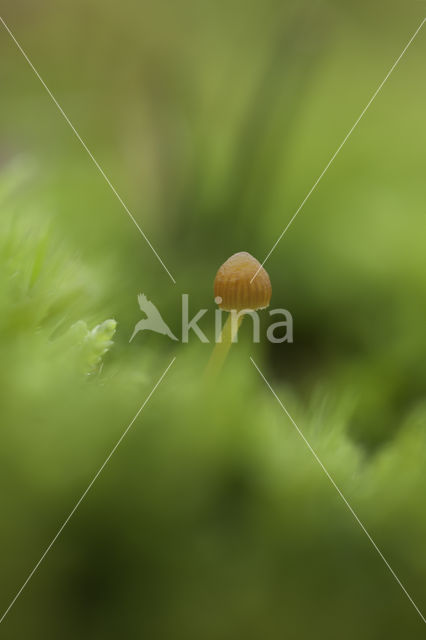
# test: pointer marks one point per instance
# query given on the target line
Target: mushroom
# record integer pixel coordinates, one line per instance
(238, 291)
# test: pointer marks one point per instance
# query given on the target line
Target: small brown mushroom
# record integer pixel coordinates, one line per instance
(234, 285)
(241, 285)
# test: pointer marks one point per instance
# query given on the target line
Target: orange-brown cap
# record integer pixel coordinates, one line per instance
(232, 286)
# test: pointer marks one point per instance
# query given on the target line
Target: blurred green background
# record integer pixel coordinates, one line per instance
(213, 120)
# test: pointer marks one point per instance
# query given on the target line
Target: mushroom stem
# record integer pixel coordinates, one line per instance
(222, 347)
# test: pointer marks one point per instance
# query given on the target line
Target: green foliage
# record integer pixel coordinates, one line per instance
(92, 344)
(212, 519)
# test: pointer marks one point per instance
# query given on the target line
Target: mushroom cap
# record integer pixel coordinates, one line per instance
(232, 287)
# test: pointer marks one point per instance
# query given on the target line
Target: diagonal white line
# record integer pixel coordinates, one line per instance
(95, 162)
(341, 145)
(84, 494)
(340, 493)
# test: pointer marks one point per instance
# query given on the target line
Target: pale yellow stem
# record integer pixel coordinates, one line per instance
(222, 347)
